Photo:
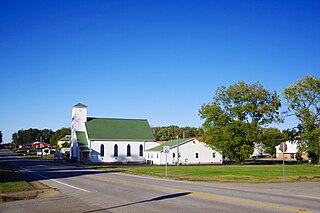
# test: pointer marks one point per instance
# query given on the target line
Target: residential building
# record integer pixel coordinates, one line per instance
(65, 140)
(183, 151)
(291, 152)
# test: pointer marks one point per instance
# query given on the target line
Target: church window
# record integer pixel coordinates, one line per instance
(102, 150)
(115, 150)
(128, 150)
(141, 150)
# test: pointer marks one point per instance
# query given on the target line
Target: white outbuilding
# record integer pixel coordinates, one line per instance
(185, 151)
(109, 140)
(290, 152)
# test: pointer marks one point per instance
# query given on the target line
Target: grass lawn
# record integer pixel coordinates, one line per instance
(245, 173)
(11, 181)
(51, 156)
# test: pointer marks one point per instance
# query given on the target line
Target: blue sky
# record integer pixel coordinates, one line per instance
(159, 60)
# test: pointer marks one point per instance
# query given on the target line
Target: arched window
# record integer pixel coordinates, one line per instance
(141, 150)
(115, 150)
(128, 150)
(102, 150)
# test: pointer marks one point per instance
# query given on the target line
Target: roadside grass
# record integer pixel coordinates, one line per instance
(51, 156)
(234, 173)
(10, 181)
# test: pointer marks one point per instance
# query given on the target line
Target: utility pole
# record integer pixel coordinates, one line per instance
(178, 150)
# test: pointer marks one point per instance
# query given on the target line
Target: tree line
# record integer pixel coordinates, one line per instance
(166, 133)
(23, 137)
(239, 115)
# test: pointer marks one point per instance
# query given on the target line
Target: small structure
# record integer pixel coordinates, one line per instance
(65, 141)
(191, 151)
(291, 152)
(40, 145)
(45, 151)
(109, 140)
(258, 151)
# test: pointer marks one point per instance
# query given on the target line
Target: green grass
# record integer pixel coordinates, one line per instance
(245, 173)
(10, 181)
(50, 156)
(26, 151)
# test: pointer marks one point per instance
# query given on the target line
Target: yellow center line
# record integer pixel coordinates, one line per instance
(217, 197)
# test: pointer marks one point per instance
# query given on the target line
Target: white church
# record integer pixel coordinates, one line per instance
(109, 140)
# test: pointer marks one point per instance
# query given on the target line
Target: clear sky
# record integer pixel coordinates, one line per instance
(159, 60)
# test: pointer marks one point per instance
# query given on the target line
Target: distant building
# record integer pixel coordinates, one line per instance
(258, 151)
(291, 152)
(40, 145)
(45, 151)
(109, 140)
(191, 151)
(65, 140)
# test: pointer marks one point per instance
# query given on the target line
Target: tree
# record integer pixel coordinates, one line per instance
(60, 133)
(23, 137)
(270, 138)
(1, 140)
(234, 119)
(170, 132)
(304, 102)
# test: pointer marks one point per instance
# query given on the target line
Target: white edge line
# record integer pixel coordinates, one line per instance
(52, 179)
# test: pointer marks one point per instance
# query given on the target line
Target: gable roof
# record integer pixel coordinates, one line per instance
(66, 138)
(171, 144)
(118, 129)
(80, 105)
(82, 139)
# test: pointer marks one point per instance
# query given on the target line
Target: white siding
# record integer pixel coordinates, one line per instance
(187, 154)
(122, 151)
(79, 117)
(291, 148)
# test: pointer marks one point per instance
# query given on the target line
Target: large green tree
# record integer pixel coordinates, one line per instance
(304, 103)
(234, 119)
(58, 134)
(270, 138)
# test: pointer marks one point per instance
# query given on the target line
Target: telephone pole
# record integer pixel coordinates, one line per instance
(178, 150)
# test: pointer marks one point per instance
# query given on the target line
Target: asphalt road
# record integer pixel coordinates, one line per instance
(97, 191)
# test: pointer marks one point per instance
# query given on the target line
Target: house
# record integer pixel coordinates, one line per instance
(40, 145)
(191, 151)
(291, 152)
(63, 141)
(109, 140)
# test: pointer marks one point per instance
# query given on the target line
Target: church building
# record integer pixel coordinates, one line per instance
(109, 140)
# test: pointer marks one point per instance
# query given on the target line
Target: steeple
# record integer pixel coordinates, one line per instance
(79, 117)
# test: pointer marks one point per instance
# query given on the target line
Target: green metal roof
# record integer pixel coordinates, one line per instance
(84, 149)
(66, 138)
(119, 129)
(80, 105)
(171, 144)
(82, 139)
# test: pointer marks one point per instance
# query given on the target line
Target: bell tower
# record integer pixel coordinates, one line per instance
(79, 117)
